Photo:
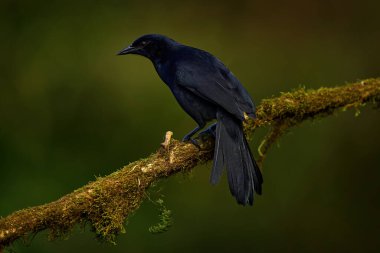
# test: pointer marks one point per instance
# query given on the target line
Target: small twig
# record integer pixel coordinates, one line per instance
(277, 129)
(168, 137)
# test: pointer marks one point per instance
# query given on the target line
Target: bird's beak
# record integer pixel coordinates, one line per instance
(128, 50)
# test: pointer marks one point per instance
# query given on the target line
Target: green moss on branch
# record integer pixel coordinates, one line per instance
(107, 202)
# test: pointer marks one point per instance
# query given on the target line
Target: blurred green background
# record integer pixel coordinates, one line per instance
(71, 110)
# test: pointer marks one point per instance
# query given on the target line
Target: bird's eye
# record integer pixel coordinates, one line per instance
(143, 43)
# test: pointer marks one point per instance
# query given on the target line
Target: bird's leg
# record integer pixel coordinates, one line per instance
(189, 135)
(194, 131)
(210, 130)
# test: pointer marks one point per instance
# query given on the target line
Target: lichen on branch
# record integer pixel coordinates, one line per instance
(107, 202)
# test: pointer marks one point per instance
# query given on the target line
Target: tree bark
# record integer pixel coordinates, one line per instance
(106, 202)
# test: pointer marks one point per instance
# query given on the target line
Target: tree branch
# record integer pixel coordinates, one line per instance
(106, 202)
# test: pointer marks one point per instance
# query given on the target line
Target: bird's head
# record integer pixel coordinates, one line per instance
(151, 46)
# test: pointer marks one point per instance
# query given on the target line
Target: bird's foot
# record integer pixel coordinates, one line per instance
(186, 138)
(192, 141)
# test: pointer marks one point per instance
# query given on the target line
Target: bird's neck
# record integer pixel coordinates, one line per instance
(159, 61)
(164, 62)
(162, 67)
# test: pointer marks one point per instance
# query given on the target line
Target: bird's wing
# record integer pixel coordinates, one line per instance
(215, 83)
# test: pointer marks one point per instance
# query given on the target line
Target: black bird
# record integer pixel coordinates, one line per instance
(206, 89)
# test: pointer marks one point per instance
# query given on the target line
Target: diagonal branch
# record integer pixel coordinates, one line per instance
(106, 202)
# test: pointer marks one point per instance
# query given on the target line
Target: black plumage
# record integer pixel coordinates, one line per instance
(207, 90)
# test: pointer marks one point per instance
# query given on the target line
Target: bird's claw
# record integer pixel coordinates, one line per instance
(192, 141)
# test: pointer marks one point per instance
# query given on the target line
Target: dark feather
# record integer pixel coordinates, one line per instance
(244, 176)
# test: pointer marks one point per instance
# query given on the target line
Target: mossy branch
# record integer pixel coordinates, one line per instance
(106, 202)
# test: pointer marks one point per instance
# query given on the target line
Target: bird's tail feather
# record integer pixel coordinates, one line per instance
(233, 153)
